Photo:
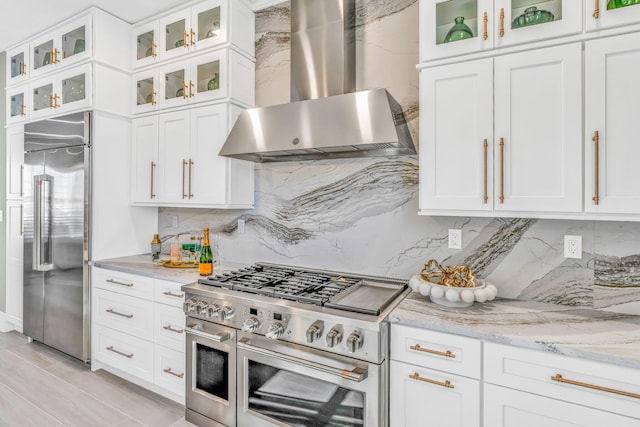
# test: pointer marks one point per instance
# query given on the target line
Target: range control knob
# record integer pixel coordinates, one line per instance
(334, 337)
(314, 332)
(354, 342)
(212, 311)
(251, 324)
(275, 331)
(189, 305)
(226, 313)
(200, 307)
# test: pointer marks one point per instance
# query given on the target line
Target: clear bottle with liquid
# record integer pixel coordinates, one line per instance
(175, 250)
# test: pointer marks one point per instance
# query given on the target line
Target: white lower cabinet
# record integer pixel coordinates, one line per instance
(138, 330)
(14, 247)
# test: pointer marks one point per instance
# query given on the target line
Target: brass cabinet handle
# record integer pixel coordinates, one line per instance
(153, 97)
(171, 294)
(485, 146)
(190, 174)
(128, 285)
(447, 353)
(191, 86)
(186, 39)
(169, 328)
(112, 311)
(55, 101)
(560, 379)
(153, 166)
(596, 154)
(23, 68)
(446, 383)
(184, 166)
(51, 101)
(185, 90)
(22, 110)
(176, 374)
(596, 10)
(193, 37)
(127, 355)
(153, 49)
(501, 170)
(54, 56)
(485, 24)
(502, 22)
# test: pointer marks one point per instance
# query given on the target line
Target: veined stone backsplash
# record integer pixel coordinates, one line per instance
(360, 215)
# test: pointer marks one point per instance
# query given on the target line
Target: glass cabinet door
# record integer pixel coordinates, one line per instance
(16, 105)
(601, 14)
(17, 68)
(145, 44)
(44, 55)
(73, 89)
(43, 98)
(209, 23)
(208, 78)
(174, 89)
(73, 42)
(146, 91)
(174, 30)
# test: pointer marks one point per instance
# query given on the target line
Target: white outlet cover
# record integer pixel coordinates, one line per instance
(573, 247)
(455, 238)
(240, 226)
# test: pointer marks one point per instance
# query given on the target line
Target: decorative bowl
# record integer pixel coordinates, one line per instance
(450, 296)
(532, 16)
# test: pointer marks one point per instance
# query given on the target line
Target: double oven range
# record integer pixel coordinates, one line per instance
(273, 345)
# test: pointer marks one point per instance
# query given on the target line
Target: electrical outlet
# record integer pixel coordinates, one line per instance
(455, 238)
(174, 221)
(241, 226)
(573, 247)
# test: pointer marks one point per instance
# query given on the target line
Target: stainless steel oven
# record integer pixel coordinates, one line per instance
(285, 384)
(211, 380)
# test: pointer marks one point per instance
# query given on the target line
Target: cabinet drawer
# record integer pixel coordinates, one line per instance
(597, 385)
(424, 397)
(124, 352)
(168, 327)
(169, 293)
(124, 283)
(170, 370)
(124, 313)
(436, 350)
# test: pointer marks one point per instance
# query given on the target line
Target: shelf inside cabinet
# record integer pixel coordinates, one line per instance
(209, 23)
(73, 42)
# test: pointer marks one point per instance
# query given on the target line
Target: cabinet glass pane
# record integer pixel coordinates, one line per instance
(209, 23)
(175, 35)
(16, 107)
(456, 20)
(174, 85)
(145, 93)
(533, 12)
(73, 89)
(17, 65)
(208, 76)
(614, 4)
(42, 97)
(73, 42)
(145, 45)
(42, 54)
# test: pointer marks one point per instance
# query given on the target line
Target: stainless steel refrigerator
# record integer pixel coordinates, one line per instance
(57, 183)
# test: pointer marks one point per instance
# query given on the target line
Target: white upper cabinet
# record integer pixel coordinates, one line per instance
(17, 104)
(62, 92)
(145, 44)
(455, 27)
(18, 64)
(612, 67)
(601, 14)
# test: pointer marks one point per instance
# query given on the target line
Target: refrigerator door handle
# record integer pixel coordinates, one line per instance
(42, 245)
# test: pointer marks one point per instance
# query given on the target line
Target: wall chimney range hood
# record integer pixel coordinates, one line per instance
(326, 118)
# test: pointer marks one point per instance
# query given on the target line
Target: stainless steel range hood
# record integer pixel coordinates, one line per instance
(326, 118)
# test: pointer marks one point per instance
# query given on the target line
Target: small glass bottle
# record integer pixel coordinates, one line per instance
(206, 256)
(175, 250)
(156, 246)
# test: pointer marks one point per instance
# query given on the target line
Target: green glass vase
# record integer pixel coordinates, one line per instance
(459, 31)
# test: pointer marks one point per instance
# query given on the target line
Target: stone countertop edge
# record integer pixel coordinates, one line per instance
(537, 326)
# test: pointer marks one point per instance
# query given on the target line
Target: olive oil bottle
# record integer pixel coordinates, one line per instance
(206, 256)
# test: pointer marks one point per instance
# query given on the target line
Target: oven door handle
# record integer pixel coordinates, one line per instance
(219, 337)
(358, 374)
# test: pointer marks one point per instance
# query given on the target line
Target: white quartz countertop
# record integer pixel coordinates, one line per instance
(143, 266)
(578, 332)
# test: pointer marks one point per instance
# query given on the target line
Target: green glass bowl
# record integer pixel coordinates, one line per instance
(459, 31)
(615, 4)
(532, 16)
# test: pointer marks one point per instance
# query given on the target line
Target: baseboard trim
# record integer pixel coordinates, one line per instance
(5, 326)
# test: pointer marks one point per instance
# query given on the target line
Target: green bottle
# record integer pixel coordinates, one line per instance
(206, 256)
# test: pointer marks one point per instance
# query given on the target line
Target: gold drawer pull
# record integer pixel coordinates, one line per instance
(171, 294)
(558, 378)
(596, 171)
(502, 22)
(111, 311)
(169, 328)
(447, 353)
(127, 355)
(485, 146)
(485, 21)
(128, 285)
(501, 170)
(446, 384)
(175, 374)
(596, 10)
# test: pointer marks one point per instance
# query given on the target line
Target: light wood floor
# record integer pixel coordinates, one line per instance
(42, 387)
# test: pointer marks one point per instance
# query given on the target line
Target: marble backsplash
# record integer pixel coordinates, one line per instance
(360, 215)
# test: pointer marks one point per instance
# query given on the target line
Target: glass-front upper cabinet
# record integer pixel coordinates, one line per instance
(68, 44)
(17, 110)
(17, 64)
(64, 92)
(146, 91)
(601, 14)
(145, 44)
(456, 27)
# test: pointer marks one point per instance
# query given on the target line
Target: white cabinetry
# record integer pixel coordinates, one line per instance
(18, 106)
(612, 66)
(533, 138)
(17, 64)
(14, 245)
(139, 330)
(598, 16)
(434, 379)
(176, 162)
(15, 162)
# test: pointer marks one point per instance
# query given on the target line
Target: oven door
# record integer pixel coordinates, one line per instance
(211, 368)
(284, 384)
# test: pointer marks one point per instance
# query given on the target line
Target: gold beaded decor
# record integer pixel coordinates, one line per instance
(457, 276)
